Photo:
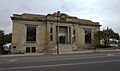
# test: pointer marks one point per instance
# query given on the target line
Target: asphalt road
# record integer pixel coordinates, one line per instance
(79, 62)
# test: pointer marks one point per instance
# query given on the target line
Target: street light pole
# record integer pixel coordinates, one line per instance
(57, 33)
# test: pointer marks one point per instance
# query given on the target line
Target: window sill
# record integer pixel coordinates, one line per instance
(30, 41)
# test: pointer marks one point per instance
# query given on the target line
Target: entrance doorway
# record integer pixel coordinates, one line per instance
(62, 39)
(63, 34)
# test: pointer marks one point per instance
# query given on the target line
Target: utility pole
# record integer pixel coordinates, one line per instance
(58, 12)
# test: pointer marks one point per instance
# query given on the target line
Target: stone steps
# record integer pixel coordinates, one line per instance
(62, 48)
(67, 47)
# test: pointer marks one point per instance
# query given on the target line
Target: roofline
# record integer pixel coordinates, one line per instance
(46, 20)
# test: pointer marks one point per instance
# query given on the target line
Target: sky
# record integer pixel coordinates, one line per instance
(106, 12)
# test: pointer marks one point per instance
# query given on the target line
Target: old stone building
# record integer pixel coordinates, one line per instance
(33, 33)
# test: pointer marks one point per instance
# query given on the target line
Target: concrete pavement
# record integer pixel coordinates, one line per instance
(61, 53)
(101, 62)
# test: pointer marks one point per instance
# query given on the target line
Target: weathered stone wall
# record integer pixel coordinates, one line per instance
(19, 35)
(80, 36)
(43, 25)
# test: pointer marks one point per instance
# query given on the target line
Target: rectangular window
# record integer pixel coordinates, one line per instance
(87, 36)
(73, 32)
(51, 30)
(33, 49)
(14, 46)
(27, 49)
(51, 37)
(31, 33)
(74, 37)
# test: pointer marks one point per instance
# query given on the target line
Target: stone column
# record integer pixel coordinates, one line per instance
(71, 34)
(92, 36)
(68, 38)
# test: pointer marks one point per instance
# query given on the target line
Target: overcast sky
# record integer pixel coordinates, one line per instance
(107, 12)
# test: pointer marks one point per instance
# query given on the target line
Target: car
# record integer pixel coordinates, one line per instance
(7, 46)
(114, 45)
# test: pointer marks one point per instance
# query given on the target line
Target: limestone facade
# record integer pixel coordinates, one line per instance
(51, 28)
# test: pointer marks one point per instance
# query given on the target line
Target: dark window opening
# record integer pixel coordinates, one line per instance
(14, 46)
(51, 30)
(33, 49)
(73, 32)
(88, 36)
(74, 37)
(27, 49)
(51, 37)
(31, 33)
(62, 39)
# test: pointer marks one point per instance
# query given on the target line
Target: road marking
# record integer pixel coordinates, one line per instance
(8, 61)
(57, 65)
(110, 55)
(12, 60)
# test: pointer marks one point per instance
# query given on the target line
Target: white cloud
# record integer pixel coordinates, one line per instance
(107, 12)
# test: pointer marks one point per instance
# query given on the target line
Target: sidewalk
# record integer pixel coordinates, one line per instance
(61, 53)
(91, 51)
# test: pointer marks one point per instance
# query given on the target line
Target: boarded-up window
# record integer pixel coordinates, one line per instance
(31, 33)
(88, 36)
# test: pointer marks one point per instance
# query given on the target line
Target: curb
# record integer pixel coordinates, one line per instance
(61, 53)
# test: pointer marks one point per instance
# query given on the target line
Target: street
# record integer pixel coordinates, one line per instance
(79, 62)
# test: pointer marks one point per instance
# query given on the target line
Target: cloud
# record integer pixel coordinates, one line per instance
(106, 12)
(5, 22)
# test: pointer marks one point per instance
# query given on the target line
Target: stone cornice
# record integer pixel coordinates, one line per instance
(49, 20)
(27, 19)
(62, 18)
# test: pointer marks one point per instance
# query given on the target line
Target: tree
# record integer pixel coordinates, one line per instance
(5, 38)
(1, 37)
(8, 38)
(106, 35)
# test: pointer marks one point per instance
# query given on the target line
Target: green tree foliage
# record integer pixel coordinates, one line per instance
(106, 35)
(8, 38)
(5, 38)
(1, 37)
